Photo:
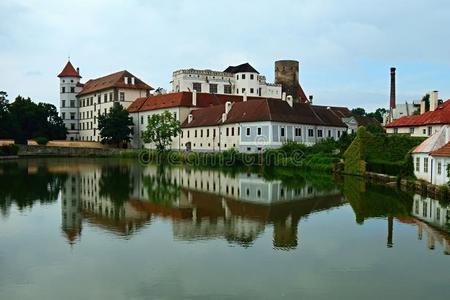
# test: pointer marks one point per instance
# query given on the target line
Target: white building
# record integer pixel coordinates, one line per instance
(235, 80)
(81, 104)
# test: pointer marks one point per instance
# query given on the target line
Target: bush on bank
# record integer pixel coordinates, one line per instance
(9, 150)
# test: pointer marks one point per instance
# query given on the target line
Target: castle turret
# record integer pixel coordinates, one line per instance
(69, 87)
(287, 74)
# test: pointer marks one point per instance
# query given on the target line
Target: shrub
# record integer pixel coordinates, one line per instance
(41, 140)
(9, 150)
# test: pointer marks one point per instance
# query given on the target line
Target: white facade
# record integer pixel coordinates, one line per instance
(417, 131)
(207, 81)
(69, 87)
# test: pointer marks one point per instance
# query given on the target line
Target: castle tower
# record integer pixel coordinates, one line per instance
(69, 87)
(287, 74)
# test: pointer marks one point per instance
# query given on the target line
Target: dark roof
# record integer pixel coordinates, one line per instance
(69, 71)
(440, 116)
(265, 109)
(115, 80)
(364, 121)
(181, 99)
(340, 111)
(243, 68)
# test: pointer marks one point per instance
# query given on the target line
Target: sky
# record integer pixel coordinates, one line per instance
(345, 47)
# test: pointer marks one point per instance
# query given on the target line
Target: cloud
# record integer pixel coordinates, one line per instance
(345, 47)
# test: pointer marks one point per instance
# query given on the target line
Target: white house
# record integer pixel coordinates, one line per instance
(234, 80)
(81, 104)
(432, 157)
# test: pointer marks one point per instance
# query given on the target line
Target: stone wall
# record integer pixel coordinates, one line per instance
(33, 150)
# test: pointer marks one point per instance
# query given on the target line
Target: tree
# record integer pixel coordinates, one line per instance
(359, 111)
(4, 116)
(115, 126)
(378, 114)
(161, 129)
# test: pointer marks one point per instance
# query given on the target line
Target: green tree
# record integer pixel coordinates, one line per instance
(4, 116)
(359, 111)
(426, 99)
(161, 129)
(115, 126)
(378, 114)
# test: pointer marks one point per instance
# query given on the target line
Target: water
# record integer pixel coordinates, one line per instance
(96, 229)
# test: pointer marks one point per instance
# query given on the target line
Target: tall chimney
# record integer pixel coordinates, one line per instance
(78, 71)
(392, 103)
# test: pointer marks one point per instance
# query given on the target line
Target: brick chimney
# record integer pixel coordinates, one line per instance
(392, 102)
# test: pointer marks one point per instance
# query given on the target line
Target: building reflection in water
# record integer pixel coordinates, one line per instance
(201, 204)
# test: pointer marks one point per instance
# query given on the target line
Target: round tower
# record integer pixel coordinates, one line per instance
(287, 74)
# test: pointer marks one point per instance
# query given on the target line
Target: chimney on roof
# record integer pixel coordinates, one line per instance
(78, 71)
(283, 96)
(434, 95)
(392, 102)
(227, 107)
(290, 100)
(311, 99)
(190, 118)
(422, 107)
(194, 98)
(132, 80)
(245, 97)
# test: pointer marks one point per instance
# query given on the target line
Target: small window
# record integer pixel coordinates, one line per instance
(243, 76)
(249, 149)
(417, 164)
(252, 76)
(425, 165)
(248, 131)
(122, 96)
(63, 103)
(227, 131)
(72, 89)
(298, 132)
(439, 168)
(282, 131)
(63, 90)
(411, 130)
(72, 103)
(232, 131)
(197, 86)
(259, 131)
(319, 133)
(142, 119)
(310, 132)
(252, 90)
(243, 90)
(227, 89)
(213, 88)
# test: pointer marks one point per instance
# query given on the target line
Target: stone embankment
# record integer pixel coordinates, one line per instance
(33, 150)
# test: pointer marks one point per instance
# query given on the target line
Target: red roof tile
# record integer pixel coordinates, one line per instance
(115, 80)
(443, 151)
(69, 71)
(440, 116)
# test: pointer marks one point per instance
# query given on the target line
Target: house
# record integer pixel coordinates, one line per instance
(81, 104)
(253, 125)
(424, 124)
(432, 157)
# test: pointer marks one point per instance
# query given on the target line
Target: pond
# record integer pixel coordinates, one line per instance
(110, 229)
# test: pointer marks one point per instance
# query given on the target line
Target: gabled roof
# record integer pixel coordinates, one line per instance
(69, 71)
(243, 68)
(434, 142)
(265, 109)
(440, 116)
(115, 80)
(443, 151)
(181, 99)
(364, 120)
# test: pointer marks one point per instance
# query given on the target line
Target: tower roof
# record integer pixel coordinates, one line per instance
(243, 68)
(69, 71)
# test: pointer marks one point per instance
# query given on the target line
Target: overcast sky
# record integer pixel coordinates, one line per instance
(345, 47)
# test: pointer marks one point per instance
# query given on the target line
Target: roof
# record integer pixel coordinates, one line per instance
(69, 71)
(340, 111)
(243, 68)
(265, 109)
(181, 99)
(115, 80)
(443, 151)
(440, 116)
(434, 142)
(364, 120)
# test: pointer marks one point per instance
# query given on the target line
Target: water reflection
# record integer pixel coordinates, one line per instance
(122, 198)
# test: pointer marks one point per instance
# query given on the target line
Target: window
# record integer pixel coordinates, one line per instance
(99, 99)
(213, 88)
(282, 133)
(72, 103)
(122, 96)
(329, 133)
(72, 116)
(232, 131)
(188, 133)
(227, 89)
(259, 131)
(63, 89)
(417, 164)
(243, 76)
(207, 132)
(339, 133)
(310, 132)
(195, 133)
(110, 97)
(201, 132)
(249, 149)
(237, 77)
(395, 130)
(439, 168)
(430, 130)
(424, 131)
(319, 133)
(63, 115)
(63, 103)
(298, 132)
(252, 90)
(411, 130)
(425, 165)
(142, 119)
(214, 132)
(72, 126)
(197, 86)
(105, 98)
(252, 76)
(243, 90)
(248, 131)
(227, 131)
(72, 89)
(424, 209)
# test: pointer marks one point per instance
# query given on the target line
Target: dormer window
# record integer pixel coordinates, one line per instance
(125, 79)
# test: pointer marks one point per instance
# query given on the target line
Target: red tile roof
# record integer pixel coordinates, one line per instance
(443, 151)
(440, 116)
(115, 80)
(181, 99)
(69, 71)
(265, 109)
